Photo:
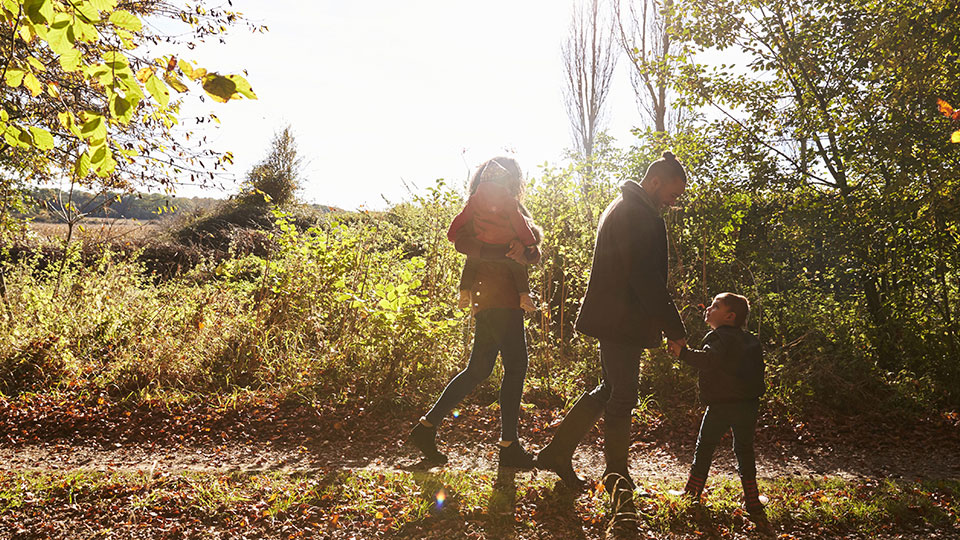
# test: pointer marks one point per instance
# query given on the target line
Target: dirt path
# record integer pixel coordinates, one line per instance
(915, 452)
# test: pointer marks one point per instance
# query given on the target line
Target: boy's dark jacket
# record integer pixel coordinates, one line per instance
(627, 298)
(730, 365)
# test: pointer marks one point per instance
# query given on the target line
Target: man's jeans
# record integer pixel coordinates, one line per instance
(620, 383)
(719, 418)
(498, 330)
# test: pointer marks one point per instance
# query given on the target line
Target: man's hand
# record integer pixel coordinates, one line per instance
(675, 347)
(517, 252)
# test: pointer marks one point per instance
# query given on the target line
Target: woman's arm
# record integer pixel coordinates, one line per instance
(468, 244)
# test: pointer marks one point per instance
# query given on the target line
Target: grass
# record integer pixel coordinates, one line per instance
(414, 503)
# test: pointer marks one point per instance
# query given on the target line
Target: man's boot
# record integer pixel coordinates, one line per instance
(558, 455)
(616, 477)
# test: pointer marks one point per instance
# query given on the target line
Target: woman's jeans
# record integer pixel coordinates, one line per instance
(498, 330)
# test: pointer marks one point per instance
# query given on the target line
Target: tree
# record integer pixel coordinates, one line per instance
(278, 175)
(589, 61)
(645, 35)
(837, 105)
(81, 99)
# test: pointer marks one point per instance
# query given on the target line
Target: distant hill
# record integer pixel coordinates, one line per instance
(44, 205)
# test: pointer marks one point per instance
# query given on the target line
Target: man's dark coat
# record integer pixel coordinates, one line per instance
(627, 298)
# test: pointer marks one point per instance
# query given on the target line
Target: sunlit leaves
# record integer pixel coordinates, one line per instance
(31, 83)
(158, 90)
(126, 20)
(14, 77)
(949, 112)
(223, 88)
(89, 40)
(42, 138)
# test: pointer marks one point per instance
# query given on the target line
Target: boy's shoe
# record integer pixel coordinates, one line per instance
(425, 439)
(516, 457)
(526, 303)
(752, 499)
(693, 489)
(465, 298)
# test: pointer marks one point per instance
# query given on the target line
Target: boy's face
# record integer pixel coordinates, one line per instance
(717, 314)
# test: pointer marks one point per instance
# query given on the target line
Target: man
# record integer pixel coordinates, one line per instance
(628, 308)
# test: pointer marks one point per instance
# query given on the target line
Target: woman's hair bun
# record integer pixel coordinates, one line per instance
(668, 155)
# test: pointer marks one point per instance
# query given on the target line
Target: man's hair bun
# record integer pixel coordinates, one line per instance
(668, 155)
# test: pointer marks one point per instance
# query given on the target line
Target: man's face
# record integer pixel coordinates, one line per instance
(668, 191)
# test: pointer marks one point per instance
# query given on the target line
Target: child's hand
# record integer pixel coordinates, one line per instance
(676, 347)
(517, 252)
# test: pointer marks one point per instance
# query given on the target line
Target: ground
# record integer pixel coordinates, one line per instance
(148, 445)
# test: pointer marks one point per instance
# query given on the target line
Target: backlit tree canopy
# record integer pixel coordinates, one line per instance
(85, 96)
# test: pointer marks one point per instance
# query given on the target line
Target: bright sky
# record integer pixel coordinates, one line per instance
(380, 91)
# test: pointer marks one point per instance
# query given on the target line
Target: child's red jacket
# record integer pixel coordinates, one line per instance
(495, 215)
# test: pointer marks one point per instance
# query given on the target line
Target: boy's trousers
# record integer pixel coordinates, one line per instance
(717, 419)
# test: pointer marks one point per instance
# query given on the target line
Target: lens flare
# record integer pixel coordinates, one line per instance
(441, 497)
(456, 413)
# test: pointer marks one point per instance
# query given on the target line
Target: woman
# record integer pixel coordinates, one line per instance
(496, 304)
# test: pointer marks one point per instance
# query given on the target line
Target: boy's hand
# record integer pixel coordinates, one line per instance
(675, 347)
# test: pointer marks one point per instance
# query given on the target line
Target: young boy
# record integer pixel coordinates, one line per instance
(731, 383)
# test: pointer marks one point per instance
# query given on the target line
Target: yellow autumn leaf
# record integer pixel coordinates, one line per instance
(144, 74)
(955, 138)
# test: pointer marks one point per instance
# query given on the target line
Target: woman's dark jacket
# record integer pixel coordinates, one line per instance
(627, 298)
(730, 364)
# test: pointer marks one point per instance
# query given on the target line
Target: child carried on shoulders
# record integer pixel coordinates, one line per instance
(497, 216)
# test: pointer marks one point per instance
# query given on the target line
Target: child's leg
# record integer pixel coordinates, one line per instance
(467, 280)
(744, 423)
(712, 428)
(522, 281)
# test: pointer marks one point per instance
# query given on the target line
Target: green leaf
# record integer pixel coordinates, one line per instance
(220, 88)
(31, 82)
(69, 123)
(85, 32)
(39, 11)
(14, 77)
(88, 10)
(42, 138)
(95, 128)
(104, 5)
(82, 166)
(11, 136)
(36, 64)
(98, 156)
(243, 87)
(60, 37)
(70, 60)
(126, 20)
(158, 90)
(224, 88)
(121, 108)
(175, 82)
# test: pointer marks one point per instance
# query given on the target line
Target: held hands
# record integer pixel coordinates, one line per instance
(675, 347)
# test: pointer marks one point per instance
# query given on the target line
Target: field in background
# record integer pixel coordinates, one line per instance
(100, 230)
